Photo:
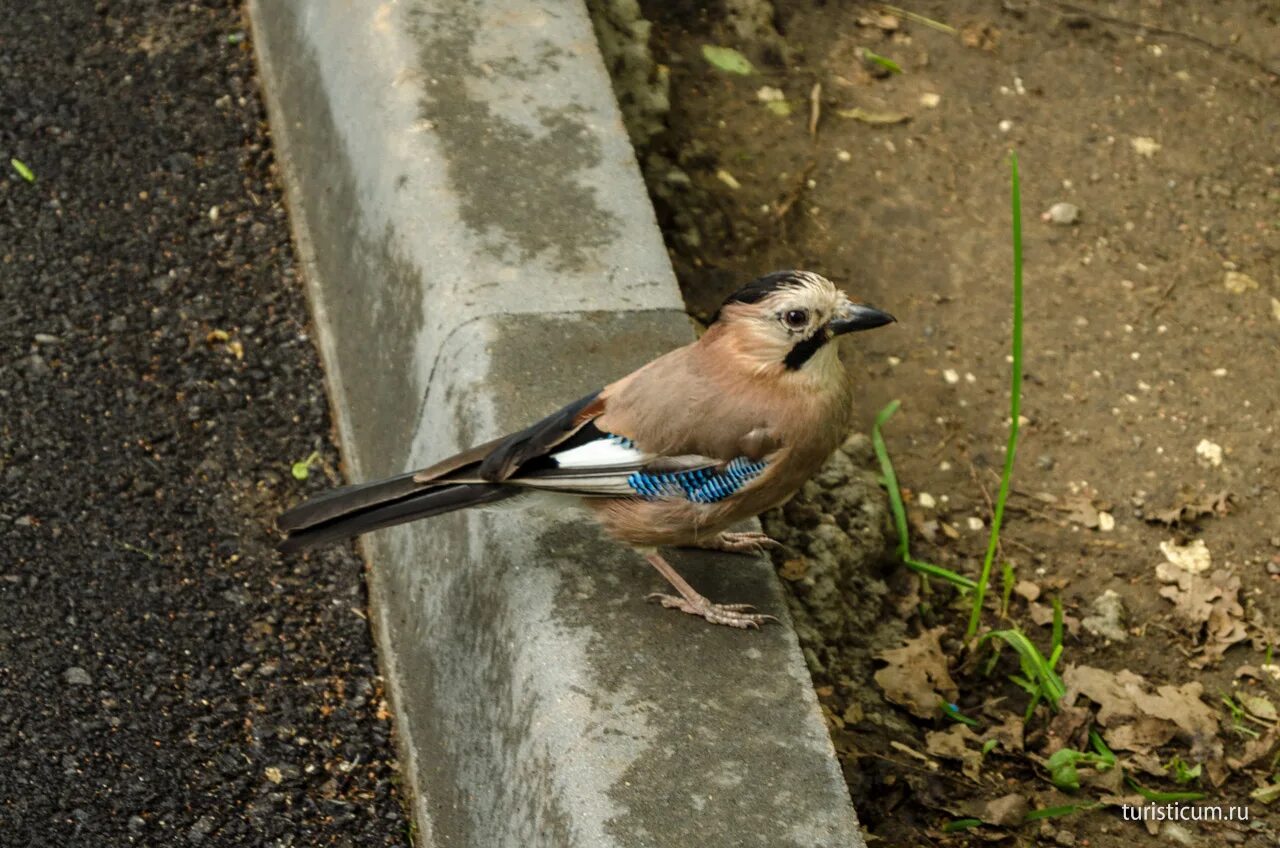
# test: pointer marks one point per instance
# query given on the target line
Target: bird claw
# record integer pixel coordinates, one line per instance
(730, 615)
(744, 543)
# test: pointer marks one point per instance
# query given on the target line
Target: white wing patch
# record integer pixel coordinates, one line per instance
(608, 452)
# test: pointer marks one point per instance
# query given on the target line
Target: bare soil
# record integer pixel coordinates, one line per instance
(1152, 329)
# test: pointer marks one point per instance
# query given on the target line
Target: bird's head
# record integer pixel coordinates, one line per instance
(785, 320)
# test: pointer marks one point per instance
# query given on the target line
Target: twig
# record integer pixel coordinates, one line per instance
(815, 108)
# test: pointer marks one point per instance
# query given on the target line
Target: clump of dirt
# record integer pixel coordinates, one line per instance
(871, 147)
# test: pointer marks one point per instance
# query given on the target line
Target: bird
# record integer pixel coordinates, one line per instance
(673, 454)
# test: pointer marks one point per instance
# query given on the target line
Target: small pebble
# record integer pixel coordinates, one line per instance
(951, 376)
(844, 155)
(975, 523)
(1145, 146)
(926, 500)
(1005, 125)
(1062, 213)
(929, 100)
(77, 676)
(1209, 453)
(1238, 283)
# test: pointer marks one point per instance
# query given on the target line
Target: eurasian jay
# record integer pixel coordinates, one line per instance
(673, 454)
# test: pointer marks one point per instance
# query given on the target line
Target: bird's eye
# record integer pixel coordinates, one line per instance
(795, 318)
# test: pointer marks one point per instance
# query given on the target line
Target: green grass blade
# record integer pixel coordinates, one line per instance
(890, 476)
(899, 510)
(960, 824)
(1163, 797)
(1015, 403)
(1033, 662)
(958, 580)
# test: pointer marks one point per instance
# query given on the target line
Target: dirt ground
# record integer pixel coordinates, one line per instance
(1151, 388)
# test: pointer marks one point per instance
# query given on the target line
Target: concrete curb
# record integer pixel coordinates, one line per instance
(479, 250)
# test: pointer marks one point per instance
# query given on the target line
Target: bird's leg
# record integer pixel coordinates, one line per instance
(740, 543)
(690, 601)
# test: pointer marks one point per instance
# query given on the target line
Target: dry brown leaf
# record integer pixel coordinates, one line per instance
(1211, 604)
(1005, 811)
(1143, 735)
(952, 744)
(1217, 772)
(1027, 590)
(1042, 614)
(1255, 750)
(1080, 510)
(1067, 729)
(1123, 699)
(1188, 507)
(1259, 707)
(1008, 733)
(917, 676)
(1110, 781)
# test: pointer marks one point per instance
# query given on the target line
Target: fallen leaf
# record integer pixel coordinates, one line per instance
(1080, 510)
(1192, 558)
(1005, 811)
(727, 59)
(1027, 590)
(1266, 794)
(917, 676)
(953, 744)
(1259, 707)
(1008, 733)
(1211, 604)
(1042, 614)
(1142, 735)
(874, 118)
(1255, 750)
(1067, 729)
(1109, 780)
(1123, 698)
(1188, 507)
(1107, 620)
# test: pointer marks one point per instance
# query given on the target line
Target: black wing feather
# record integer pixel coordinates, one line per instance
(534, 441)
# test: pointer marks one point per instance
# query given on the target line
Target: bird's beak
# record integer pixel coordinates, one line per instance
(859, 316)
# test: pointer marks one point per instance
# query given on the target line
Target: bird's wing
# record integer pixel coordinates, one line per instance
(490, 462)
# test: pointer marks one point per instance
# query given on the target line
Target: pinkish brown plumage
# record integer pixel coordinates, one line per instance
(674, 453)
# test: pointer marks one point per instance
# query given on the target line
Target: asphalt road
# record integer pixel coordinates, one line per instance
(165, 677)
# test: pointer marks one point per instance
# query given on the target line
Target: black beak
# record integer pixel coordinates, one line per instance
(860, 316)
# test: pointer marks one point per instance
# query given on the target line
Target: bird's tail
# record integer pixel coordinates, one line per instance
(353, 510)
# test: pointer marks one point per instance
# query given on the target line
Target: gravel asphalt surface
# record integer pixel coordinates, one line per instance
(165, 677)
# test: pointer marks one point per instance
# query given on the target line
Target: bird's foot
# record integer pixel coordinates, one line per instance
(732, 615)
(742, 543)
